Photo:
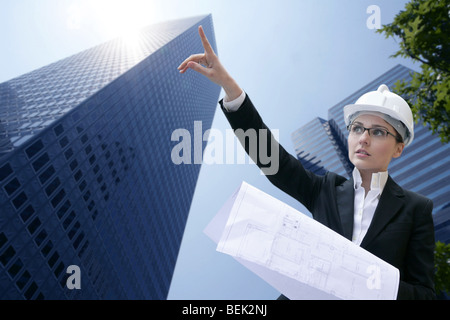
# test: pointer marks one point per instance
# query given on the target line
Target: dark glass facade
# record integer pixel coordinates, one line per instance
(424, 166)
(86, 176)
(316, 147)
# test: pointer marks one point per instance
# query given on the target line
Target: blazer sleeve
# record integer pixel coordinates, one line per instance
(286, 173)
(418, 275)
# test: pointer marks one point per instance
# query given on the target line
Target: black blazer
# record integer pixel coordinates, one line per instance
(401, 232)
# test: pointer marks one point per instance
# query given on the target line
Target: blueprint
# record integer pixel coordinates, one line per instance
(297, 255)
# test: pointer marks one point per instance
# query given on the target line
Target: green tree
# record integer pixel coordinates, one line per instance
(423, 29)
(442, 266)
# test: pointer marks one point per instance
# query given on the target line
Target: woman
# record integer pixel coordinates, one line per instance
(370, 209)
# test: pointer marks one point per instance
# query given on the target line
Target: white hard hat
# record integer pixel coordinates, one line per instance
(386, 103)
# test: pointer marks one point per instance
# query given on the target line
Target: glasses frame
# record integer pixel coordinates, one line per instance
(369, 130)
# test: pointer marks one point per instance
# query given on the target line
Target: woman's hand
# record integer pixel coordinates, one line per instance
(208, 64)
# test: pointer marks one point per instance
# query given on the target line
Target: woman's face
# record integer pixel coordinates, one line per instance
(370, 154)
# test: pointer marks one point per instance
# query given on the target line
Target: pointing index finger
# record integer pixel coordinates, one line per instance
(205, 42)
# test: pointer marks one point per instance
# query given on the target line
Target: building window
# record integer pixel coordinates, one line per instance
(62, 211)
(51, 262)
(91, 205)
(52, 186)
(58, 198)
(74, 164)
(46, 174)
(31, 290)
(34, 149)
(34, 225)
(78, 240)
(41, 237)
(59, 269)
(5, 171)
(23, 280)
(78, 175)
(73, 230)
(88, 149)
(7, 255)
(27, 213)
(47, 248)
(59, 130)
(20, 200)
(83, 249)
(3, 239)
(86, 196)
(82, 185)
(39, 163)
(68, 220)
(63, 142)
(12, 186)
(68, 154)
(15, 268)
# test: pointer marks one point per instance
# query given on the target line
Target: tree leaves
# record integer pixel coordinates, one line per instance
(442, 265)
(423, 29)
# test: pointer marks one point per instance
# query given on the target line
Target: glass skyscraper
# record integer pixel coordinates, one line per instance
(86, 175)
(424, 166)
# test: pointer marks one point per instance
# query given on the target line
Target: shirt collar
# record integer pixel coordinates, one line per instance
(378, 181)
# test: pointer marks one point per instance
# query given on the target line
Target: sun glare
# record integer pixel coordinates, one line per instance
(112, 18)
(119, 17)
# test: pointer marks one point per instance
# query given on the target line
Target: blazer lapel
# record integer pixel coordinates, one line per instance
(389, 205)
(345, 202)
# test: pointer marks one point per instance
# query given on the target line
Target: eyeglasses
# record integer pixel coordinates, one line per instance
(376, 133)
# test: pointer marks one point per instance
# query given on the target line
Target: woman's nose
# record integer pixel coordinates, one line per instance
(365, 137)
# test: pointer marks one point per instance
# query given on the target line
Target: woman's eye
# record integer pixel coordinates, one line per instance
(378, 132)
(357, 129)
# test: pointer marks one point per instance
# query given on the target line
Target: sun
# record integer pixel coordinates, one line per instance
(117, 18)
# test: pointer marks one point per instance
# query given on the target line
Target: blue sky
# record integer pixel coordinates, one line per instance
(295, 59)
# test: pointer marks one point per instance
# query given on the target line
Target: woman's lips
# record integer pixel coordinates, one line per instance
(362, 153)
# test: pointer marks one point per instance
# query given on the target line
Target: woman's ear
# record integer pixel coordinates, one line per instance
(398, 149)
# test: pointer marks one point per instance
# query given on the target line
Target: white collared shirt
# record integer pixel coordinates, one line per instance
(365, 206)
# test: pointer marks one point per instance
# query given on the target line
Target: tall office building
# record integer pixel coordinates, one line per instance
(86, 175)
(424, 166)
